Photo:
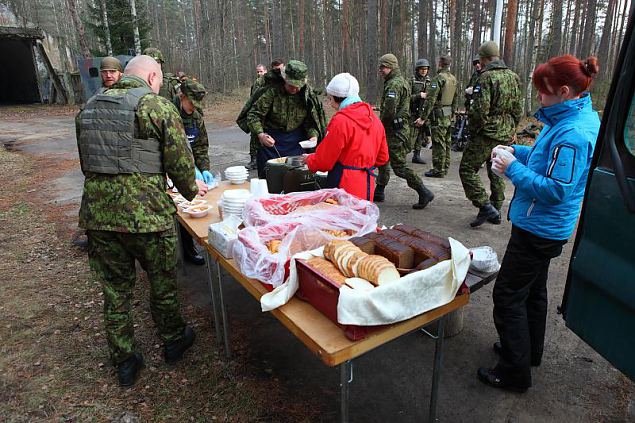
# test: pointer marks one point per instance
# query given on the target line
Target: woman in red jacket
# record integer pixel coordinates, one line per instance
(355, 141)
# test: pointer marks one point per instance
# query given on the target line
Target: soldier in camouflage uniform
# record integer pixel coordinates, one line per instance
(264, 79)
(128, 139)
(188, 102)
(171, 82)
(418, 87)
(110, 71)
(469, 90)
(285, 114)
(438, 111)
(394, 115)
(495, 112)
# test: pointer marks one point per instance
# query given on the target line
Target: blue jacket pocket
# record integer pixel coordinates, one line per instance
(562, 165)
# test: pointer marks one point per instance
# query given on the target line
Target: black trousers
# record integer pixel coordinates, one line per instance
(520, 304)
(187, 242)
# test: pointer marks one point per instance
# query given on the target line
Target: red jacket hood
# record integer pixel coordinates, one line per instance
(360, 113)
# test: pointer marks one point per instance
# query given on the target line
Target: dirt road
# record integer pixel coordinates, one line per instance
(272, 376)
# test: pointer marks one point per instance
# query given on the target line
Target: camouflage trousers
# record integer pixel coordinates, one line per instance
(441, 140)
(476, 153)
(398, 147)
(418, 137)
(112, 257)
(254, 145)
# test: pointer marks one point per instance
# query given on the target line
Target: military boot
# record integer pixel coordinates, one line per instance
(425, 196)
(173, 351)
(379, 193)
(485, 213)
(128, 371)
(416, 157)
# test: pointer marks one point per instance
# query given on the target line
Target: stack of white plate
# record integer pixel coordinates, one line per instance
(236, 174)
(233, 201)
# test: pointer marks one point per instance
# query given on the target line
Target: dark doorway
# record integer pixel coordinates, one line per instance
(18, 82)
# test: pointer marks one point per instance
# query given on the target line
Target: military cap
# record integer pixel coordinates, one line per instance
(193, 90)
(155, 53)
(295, 73)
(110, 63)
(476, 59)
(422, 63)
(389, 61)
(488, 49)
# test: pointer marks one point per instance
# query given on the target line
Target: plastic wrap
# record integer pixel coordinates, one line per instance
(484, 260)
(350, 212)
(256, 261)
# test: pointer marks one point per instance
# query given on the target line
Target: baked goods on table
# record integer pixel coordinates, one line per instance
(353, 262)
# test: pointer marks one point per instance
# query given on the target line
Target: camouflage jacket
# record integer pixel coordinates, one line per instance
(196, 134)
(468, 97)
(138, 202)
(170, 86)
(497, 105)
(258, 83)
(276, 109)
(440, 82)
(395, 100)
(268, 79)
(419, 84)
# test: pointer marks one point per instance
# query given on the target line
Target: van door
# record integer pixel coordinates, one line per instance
(599, 297)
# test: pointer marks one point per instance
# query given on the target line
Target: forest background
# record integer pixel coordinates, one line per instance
(221, 41)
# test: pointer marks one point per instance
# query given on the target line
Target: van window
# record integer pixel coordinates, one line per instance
(629, 129)
(93, 72)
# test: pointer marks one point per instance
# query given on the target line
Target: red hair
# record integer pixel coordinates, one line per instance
(566, 70)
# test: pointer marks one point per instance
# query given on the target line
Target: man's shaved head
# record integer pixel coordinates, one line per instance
(146, 68)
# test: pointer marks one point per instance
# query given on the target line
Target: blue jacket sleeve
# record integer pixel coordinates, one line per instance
(521, 152)
(569, 157)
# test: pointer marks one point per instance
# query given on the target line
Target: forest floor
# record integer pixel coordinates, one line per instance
(54, 363)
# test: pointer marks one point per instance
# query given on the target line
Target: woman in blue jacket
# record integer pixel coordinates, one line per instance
(549, 180)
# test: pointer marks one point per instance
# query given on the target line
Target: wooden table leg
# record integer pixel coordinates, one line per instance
(228, 352)
(212, 291)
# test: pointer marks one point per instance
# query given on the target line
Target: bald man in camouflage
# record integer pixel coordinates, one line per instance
(128, 139)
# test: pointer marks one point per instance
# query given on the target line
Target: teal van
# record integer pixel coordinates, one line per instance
(599, 297)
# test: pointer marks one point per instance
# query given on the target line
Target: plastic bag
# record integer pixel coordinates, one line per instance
(484, 259)
(343, 211)
(255, 260)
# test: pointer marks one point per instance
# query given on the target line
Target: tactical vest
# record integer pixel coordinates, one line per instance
(448, 90)
(107, 143)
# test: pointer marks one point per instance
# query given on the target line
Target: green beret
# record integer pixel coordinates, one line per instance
(110, 63)
(193, 90)
(295, 73)
(389, 61)
(488, 49)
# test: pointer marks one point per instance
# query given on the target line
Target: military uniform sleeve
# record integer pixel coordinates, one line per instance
(178, 161)
(479, 112)
(389, 105)
(433, 93)
(258, 112)
(200, 147)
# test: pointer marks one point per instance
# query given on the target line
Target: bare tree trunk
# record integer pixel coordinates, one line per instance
(323, 35)
(345, 36)
(603, 51)
(556, 28)
(371, 75)
(422, 27)
(301, 27)
(135, 27)
(476, 25)
(510, 29)
(104, 20)
(532, 50)
(79, 28)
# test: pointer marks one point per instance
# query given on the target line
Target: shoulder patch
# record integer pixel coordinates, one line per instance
(433, 85)
(392, 94)
(477, 88)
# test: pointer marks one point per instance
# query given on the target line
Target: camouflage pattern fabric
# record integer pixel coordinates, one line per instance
(112, 257)
(276, 109)
(418, 134)
(441, 141)
(138, 203)
(494, 114)
(254, 144)
(196, 133)
(169, 89)
(395, 104)
(476, 153)
(258, 83)
(439, 124)
(472, 83)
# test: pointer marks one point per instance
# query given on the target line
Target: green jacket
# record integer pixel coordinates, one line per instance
(138, 202)
(395, 101)
(441, 92)
(169, 88)
(258, 83)
(497, 103)
(267, 80)
(196, 133)
(472, 83)
(275, 108)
